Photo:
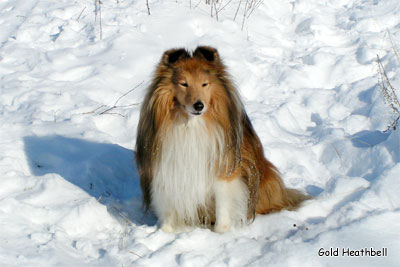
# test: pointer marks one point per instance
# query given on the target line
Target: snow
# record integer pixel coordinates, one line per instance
(69, 190)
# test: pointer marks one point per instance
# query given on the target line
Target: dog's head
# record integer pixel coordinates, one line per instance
(194, 77)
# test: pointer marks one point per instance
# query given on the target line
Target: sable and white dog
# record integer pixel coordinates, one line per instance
(199, 158)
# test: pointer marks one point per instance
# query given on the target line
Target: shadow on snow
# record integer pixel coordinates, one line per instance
(368, 138)
(105, 171)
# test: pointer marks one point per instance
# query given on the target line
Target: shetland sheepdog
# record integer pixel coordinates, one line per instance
(199, 159)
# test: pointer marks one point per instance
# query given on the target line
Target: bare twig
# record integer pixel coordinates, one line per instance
(237, 10)
(254, 6)
(340, 160)
(246, 7)
(80, 14)
(223, 7)
(216, 9)
(127, 220)
(98, 4)
(198, 4)
(129, 105)
(112, 113)
(133, 252)
(249, 8)
(216, 6)
(108, 109)
(116, 102)
(148, 7)
(93, 111)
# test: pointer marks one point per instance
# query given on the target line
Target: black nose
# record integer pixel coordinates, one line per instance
(198, 106)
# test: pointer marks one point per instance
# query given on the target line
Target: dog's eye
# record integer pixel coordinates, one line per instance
(205, 84)
(184, 84)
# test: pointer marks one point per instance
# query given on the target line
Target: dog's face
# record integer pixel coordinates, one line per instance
(193, 89)
(194, 78)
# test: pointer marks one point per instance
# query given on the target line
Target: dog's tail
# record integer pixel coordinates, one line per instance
(274, 196)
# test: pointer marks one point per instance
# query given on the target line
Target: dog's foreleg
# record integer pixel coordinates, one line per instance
(164, 211)
(231, 198)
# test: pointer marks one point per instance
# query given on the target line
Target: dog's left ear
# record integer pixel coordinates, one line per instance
(172, 56)
(208, 53)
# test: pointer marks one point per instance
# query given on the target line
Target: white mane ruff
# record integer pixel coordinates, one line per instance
(185, 171)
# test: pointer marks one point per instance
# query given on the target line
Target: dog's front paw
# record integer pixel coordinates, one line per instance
(167, 227)
(222, 227)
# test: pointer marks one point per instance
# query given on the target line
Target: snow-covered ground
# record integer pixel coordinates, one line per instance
(307, 70)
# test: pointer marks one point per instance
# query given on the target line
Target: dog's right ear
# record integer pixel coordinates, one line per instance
(172, 56)
(207, 53)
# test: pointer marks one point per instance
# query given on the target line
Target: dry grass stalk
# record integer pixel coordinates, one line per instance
(389, 94)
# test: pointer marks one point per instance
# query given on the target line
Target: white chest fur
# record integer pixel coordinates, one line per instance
(184, 174)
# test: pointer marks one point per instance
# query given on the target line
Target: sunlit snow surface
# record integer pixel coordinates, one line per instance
(69, 190)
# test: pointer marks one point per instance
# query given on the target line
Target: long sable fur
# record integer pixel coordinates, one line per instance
(242, 153)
